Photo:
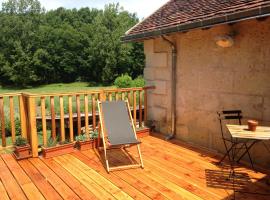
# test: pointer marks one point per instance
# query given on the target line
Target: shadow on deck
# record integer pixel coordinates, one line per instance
(173, 170)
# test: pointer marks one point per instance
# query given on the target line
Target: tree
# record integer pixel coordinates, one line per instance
(65, 45)
(22, 6)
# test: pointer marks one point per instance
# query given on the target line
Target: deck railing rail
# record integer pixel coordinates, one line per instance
(61, 116)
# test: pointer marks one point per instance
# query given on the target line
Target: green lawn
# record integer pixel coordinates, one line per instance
(53, 88)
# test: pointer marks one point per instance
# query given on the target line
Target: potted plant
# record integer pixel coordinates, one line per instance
(56, 149)
(22, 148)
(86, 141)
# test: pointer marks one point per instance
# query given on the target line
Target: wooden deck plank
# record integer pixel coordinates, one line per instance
(173, 170)
(100, 180)
(54, 180)
(85, 180)
(70, 180)
(29, 188)
(13, 188)
(148, 190)
(148, 175)
(199, 170)
(87, 158)
(40, 181)
(140, 185)
(3, 192)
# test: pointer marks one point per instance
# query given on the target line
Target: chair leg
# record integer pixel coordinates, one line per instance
(139, 151)
(225, 155)
(106, 160)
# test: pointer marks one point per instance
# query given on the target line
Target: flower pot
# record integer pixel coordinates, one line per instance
(22, 152)
(252, 125)
(143, 132)
(85, 145)
(58, 150)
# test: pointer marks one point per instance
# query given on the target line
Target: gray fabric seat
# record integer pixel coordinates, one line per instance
(117, 123)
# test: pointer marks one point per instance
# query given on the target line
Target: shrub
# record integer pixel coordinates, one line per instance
(8, 126)
(123, 81)
(138, 82)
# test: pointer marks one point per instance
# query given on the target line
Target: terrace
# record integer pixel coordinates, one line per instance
(173, 169)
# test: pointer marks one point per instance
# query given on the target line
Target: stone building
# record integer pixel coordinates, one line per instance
(222, 51)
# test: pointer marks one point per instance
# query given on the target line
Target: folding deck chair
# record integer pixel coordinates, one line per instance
(117, 130)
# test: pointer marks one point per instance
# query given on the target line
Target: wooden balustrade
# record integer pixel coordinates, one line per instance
(61, 116)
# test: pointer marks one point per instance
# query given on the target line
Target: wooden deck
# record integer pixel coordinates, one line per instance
(173, 170)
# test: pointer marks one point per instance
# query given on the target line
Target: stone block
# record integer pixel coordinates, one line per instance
(163, 73)
(161, 87)
(149, 73)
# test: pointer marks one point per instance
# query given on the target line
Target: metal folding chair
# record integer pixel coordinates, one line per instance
(117, 130)
(237, 145)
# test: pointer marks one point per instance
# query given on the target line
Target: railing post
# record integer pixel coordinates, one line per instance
(23, 115)
(33, 125)
(145, 107)
(102, 95)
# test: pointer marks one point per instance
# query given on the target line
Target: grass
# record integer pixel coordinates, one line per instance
(50, 88)
(53, 88)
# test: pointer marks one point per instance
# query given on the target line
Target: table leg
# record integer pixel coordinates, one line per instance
(247, 152)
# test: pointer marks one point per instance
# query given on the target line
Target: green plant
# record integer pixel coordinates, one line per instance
(138, 82)
(21, 141)
(123, 81)
(8, 126)
(94, 134)
(51, 142)
(82, 137)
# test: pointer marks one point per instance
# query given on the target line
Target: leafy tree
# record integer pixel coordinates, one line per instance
(22, 6)
(63, 45)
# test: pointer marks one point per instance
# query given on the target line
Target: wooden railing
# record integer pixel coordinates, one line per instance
(61, 116)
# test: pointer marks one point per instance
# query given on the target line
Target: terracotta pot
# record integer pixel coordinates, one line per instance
(22, 152)
(58, 150)
(252, 125)
(143, 132)
(85, 145)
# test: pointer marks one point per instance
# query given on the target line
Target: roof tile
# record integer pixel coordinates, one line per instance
(180, 12)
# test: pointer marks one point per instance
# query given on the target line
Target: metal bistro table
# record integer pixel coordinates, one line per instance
(261, 134)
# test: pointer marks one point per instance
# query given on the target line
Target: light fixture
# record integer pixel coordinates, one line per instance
(224, 41)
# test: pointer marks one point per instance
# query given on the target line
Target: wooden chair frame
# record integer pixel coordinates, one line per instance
(106, 145)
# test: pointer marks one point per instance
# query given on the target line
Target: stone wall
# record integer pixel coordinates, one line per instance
(211, 78)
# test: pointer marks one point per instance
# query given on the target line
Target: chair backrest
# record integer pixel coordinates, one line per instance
(117, 123)
(228, 115)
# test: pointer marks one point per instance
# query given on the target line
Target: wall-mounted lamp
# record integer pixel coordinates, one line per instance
(224, 41)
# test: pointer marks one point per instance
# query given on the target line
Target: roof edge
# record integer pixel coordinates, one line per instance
(206, 23)
(127, 32)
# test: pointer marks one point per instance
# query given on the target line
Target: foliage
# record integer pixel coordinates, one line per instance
(17, 123)
(85, 137)
(94, 134)
(40, 47)
(82, 137)
(20, 141)
(123, 81)
(138, 82)
(51, 142)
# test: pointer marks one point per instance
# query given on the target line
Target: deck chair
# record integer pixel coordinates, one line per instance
(117, 130)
